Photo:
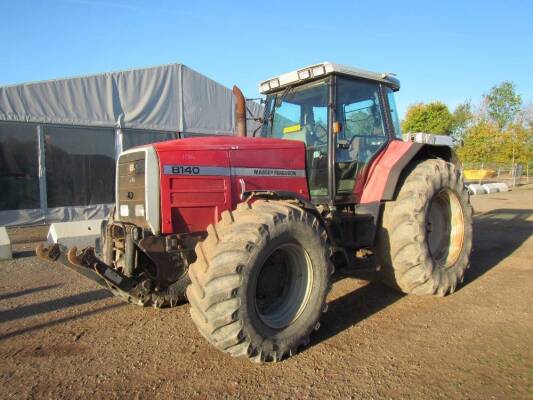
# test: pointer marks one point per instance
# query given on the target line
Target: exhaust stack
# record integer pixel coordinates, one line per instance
(240, 112)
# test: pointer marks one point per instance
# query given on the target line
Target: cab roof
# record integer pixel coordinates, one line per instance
(323, 69)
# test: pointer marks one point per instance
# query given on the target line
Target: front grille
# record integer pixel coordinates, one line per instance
(131, 189)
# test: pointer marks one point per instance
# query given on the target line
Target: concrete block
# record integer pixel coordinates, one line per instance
(490, 188)
(75, 233)
(5, 245)
(502, 187)
(475, 188)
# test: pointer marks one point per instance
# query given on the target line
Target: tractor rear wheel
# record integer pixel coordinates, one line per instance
(260, 280)
(425, 238)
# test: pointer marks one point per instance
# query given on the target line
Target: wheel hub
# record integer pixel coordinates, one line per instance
(445, 228)
(283, 286)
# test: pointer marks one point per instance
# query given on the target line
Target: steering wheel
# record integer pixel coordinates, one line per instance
(353, 138)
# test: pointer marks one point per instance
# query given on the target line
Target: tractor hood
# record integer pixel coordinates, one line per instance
(196, 179)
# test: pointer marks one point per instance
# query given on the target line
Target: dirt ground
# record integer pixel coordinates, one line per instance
(61, 336)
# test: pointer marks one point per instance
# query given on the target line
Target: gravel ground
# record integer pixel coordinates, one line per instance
(61, 336)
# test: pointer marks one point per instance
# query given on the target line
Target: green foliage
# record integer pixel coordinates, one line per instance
(479, 144)
(484, 143)
(515, 141)
(463, 117)
(500, 130)
(430, 118)
(503, 103)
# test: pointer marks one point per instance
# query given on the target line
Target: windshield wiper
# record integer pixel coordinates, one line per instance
(285, 93)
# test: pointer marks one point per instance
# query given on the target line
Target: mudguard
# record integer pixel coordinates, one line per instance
(386, 169)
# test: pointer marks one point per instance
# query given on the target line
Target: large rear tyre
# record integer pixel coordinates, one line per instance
(260, 280)
(425, 238)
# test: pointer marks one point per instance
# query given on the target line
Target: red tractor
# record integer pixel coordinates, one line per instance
(248, 229)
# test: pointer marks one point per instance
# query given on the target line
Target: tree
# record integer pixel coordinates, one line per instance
(479, 144)
(433, 117)
(360, 122)
(463, 117)
(514, 144)
(503, 103)
(484, 143)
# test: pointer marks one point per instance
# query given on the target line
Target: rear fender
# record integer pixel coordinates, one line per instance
(386, 170)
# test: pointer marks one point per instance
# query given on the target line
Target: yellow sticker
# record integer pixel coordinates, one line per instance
(292, 128)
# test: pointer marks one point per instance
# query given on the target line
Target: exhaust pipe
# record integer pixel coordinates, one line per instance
(240, 112)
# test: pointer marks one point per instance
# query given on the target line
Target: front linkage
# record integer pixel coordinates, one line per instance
(87, 264)
(136, 266)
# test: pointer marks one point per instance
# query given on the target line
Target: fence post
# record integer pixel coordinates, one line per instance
(42, 172)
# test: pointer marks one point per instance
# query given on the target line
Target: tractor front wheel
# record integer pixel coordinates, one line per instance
(260, 280)
(425, 237)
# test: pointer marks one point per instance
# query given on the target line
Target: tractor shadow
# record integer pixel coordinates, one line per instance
(26, 292)
(49, 324)
(23, 254)
(48, 306)
(354, 307)
(497, 234)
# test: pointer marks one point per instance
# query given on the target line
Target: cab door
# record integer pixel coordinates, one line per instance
(363, 133)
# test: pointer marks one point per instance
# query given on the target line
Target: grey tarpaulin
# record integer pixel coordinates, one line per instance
(166, 98)
(57, 214)
(59, 138)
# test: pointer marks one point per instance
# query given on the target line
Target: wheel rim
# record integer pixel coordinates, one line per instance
(445, 228)
(283, 286)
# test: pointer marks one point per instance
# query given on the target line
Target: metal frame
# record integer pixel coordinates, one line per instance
(332, 139)
(43, 214)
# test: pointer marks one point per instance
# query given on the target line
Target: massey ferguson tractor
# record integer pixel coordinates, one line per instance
(248, 229)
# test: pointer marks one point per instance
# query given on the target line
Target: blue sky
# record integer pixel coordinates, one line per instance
(446, 50)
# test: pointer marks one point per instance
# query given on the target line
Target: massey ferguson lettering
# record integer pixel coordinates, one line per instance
(274, 172)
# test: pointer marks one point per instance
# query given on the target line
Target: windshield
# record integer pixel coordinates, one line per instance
(301, 113)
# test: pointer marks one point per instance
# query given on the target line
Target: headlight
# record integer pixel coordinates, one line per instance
(304, 74)
(265, 87)
(124, 210)
(139, 210)
(274, 83)
(319, 70)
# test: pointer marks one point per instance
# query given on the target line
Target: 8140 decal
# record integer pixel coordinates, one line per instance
(185, 170)
(194, 170)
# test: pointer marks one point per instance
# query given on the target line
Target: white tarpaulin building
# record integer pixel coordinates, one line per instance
(59, 139)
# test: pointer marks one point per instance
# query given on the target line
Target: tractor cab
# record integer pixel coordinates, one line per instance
(345, 117)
